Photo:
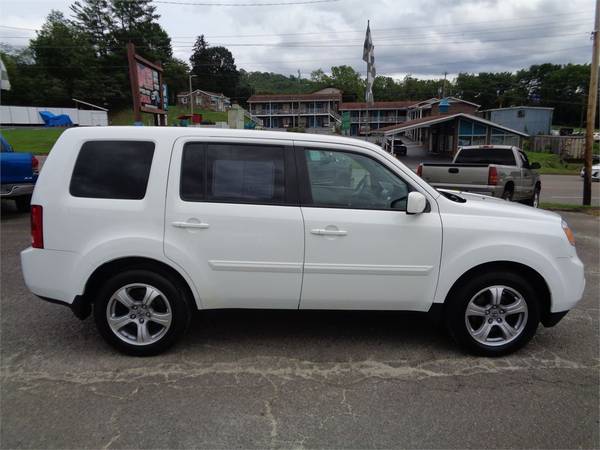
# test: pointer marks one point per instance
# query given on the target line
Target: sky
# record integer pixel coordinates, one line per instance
(424, 38)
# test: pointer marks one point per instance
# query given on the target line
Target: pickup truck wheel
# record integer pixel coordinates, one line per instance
(507, 194)
(23, 203)
(493, 314)
(141, 313)
(535, 200)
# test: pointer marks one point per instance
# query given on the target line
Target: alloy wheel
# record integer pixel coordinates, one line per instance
(536, 199)
(139, 314)
(496, 315)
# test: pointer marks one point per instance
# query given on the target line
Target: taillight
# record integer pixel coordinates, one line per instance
(35, 163)
(492, 176)
(37, 227)
(420, 169)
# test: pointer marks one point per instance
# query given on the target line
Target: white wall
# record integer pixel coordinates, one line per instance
(29, 115)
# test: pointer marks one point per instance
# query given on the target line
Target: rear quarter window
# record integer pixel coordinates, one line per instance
(112, 169)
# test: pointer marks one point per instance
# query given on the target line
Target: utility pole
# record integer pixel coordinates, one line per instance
(191, 99)
(591, 110)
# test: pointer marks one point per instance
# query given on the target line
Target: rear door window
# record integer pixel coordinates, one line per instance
(112, 169)
(233, 173)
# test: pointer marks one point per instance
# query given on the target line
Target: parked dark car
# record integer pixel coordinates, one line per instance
(399, 149)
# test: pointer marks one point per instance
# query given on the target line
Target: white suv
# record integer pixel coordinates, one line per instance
(146, 225)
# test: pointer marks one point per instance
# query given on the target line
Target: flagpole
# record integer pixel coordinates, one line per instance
(369, 58)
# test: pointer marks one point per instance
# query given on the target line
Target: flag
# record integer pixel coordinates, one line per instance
(4, 83)
(369, 58)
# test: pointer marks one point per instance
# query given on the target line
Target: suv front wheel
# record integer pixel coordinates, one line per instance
(493, 314)
(141, 312)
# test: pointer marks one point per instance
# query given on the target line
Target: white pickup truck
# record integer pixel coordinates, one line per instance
(497, 170)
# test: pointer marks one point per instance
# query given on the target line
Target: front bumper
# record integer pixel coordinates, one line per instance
(572, 274)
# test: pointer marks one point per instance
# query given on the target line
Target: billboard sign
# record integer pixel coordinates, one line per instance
(146, 87)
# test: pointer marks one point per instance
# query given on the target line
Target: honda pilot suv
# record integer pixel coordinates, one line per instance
(143, 226)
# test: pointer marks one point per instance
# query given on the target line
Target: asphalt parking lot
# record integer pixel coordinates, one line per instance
(255, 379)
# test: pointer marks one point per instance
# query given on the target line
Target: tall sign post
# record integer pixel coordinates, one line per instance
(146, 87)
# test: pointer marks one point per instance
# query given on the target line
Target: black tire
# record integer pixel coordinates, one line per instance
(535, 199)
(23, 203)
(455, 310)
(508, 193)
(174, 295)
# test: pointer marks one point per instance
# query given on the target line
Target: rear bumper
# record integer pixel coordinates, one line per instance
(16, 190)
(49, 273)
(80, 306)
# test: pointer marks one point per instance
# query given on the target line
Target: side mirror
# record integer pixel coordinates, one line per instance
(416, 203)
(535, 165)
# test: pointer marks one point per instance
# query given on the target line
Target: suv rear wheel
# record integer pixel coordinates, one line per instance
(493, 314)
(141, 312)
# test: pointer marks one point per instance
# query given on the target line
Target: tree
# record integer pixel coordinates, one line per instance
(109, 25)
(62, 53)
(136, 21)
(386, 89)
(214, 68)
(175, 73)
(349, 82)
(93, 19)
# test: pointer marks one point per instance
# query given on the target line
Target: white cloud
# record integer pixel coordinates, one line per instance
(421, 37)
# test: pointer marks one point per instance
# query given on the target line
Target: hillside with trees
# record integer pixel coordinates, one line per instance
(84, 56)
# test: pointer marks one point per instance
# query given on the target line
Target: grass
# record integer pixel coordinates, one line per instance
(593, 210)
(40, 140)
(125, 117)
(34, 140)
(551, 164)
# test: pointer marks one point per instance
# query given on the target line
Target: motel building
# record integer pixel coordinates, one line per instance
(365, 118)
(319, 109)
(445, 132)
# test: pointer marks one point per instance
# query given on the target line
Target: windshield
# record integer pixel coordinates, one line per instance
(501, 156)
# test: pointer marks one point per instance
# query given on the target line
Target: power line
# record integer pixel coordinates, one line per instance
(386, 37)
(441, 63)
(412, 36)
(294, 3)
(374, 30)
(315, 44)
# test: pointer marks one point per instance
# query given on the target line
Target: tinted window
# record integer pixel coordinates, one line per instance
(233, 173)
(192, 187)
(112, 169)
(349, 180)
(501, 156)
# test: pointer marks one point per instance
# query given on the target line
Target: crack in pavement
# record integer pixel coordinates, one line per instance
(339, 373)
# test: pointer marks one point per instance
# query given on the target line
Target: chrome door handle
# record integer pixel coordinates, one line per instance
(325, 232)
(190, 225)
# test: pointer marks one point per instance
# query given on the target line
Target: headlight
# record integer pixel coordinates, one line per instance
(568, 233)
